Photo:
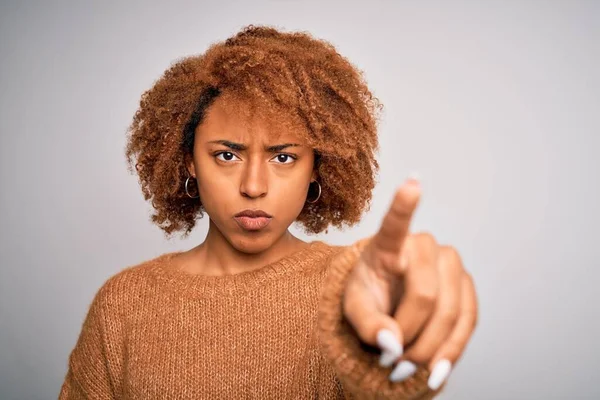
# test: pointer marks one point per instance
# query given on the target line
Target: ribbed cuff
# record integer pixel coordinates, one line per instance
(357, 365)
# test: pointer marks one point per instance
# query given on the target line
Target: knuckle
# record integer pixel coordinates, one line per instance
(398, 196)
(424, 299)
(368, 254)
(448, 317)
(398, 207)
(420, 354)
(472, 313)
(426, 240)
(387, 259)
(453, 349)
(450, 256)
(473, 319)
(470, 280)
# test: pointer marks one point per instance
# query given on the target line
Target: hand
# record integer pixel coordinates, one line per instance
(408, 292)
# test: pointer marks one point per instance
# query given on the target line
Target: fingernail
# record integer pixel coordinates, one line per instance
(390, 347)
(387, 359)
(440, 373)
(414, 178)
(403, 370)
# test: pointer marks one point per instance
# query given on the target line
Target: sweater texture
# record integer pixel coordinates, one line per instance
(155, 332)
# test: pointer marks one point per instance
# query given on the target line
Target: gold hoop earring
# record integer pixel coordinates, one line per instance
(318, 196)
(186, 188)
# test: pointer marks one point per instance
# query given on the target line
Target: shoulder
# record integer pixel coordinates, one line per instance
(321, 251)
(344, 257)
(323, 255)
(333, 250)
(131, 284)
(326, 248)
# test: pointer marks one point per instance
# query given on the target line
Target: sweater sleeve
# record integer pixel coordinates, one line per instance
(356, 364)
(94, 363)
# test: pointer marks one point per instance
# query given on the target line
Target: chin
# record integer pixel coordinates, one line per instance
(251, 245)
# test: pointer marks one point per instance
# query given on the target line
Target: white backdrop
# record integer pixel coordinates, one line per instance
(495, 104)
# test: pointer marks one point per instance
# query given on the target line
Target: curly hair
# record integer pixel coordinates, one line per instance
(289, 74)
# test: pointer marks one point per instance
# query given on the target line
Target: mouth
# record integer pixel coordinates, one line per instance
(252, 220)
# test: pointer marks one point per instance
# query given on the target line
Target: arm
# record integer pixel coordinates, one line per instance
(402, 293)
(94, 367)
(356, 365)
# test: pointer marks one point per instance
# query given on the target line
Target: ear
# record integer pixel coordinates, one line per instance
(313, 176)
(189, 164)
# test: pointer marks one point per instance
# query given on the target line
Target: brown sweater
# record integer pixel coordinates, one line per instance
(155, 332)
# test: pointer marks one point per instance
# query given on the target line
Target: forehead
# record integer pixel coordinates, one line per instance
(245, 120)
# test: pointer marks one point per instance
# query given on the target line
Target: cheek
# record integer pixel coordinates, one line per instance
(288, 189)
(289, 195)
(214, 188)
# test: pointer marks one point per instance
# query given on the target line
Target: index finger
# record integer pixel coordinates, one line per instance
(396, 222)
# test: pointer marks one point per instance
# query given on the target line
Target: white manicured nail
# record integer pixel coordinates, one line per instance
(391, 349)
(387, 359)
(413, 181)
(440, 373)
(403, 370)
(414, 175)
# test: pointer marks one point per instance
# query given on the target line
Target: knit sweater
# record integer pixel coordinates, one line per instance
(153, 331)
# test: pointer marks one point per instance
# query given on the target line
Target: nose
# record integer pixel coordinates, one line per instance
(254, 180)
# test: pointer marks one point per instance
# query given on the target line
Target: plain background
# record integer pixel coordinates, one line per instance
(495, 104)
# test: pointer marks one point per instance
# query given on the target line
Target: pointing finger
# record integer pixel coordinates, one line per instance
(396, 223)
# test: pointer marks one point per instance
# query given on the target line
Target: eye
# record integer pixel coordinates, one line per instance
(284, 158)
(225, 156)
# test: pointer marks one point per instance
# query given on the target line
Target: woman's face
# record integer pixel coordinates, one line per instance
(245, 166)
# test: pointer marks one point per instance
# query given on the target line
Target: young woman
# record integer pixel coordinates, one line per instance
(263, 130)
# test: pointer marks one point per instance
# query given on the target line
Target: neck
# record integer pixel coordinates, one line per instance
(217, 256)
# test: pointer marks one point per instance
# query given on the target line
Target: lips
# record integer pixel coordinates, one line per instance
(252, 220)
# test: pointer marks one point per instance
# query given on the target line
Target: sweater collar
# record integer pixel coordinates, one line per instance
(208, 286)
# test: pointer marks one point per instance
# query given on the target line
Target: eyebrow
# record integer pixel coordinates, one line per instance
(241, 147)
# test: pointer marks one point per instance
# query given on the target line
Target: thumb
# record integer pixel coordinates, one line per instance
(375, 328)
(389, 340)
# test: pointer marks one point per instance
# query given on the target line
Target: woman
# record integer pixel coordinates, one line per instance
(260, 131)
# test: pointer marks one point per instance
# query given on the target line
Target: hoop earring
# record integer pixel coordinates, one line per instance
(318, 196)
(186, 188)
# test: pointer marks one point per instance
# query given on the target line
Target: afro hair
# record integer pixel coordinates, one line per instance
(287, 73)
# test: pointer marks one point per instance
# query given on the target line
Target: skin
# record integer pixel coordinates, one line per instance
(259, 177)
(405, 283)
(415, 288)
